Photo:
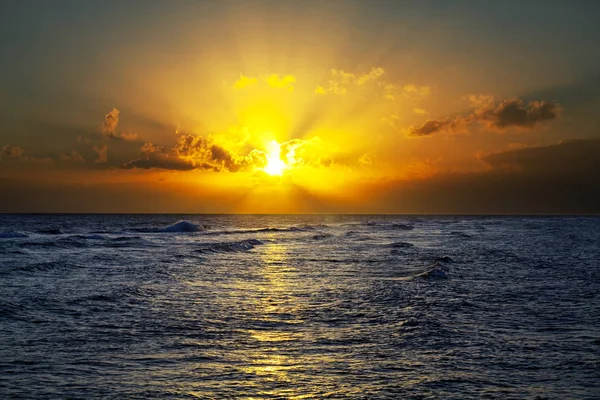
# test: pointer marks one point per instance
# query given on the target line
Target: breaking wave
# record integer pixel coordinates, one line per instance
(228, 247)
(179, 227)
(438, 270)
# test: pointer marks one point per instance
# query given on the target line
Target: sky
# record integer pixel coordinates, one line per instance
(458, 107)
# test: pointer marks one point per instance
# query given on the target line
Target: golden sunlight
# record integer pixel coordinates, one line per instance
(275, 165)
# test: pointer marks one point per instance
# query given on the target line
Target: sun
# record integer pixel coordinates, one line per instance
(275, 165)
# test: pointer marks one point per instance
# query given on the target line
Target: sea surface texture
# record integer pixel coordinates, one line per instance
(277, 307)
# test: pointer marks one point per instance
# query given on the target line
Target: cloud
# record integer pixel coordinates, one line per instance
(272, 80)
(151, 148)
(9, 151)
(109, 126)
(366, 160)
(568, 157)
(320, 90)
(374, 82)
(415, 91)
(285, 82)
(73, 157)
(431, 126)
(297, 152)
(160, 161)
(510, 113)
(102, 154)
(206, 155)
(16, 153)
(111, 120)
(562, 178)
(515, 113)
(127, 136)
(245, 81)
(195, 152)
(372, 75)
(341, 82)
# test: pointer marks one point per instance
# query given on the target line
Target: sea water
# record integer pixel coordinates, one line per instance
(242, 306)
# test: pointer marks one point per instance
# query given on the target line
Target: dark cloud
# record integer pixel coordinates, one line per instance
(510, 113)
(515, 113)
(557, 179)
(160, 161)
(572, 157)
(195, 152)
(431, 126)
(205, 155)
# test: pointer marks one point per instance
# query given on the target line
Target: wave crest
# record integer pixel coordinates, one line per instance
(183, 226)
(229, 247)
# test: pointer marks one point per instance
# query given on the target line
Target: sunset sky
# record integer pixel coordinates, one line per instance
(300, 106)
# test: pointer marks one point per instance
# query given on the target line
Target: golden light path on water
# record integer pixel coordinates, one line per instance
(275, 299)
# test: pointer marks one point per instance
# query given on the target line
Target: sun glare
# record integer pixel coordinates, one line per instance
(275, 165)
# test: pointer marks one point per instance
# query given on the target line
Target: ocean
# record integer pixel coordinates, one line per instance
(299, 307)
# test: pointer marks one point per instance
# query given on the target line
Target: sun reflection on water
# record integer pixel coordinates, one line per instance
(273, 335)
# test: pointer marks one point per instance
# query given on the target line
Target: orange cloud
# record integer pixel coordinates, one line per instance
(102, 154)
(73, 157)
(9, 151)
(111, 120)
(109, 126)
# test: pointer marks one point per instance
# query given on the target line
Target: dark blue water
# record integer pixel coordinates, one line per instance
(135, 307)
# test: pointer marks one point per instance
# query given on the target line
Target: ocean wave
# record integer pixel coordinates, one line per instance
(460, 234)
(45, 266)
(42, 244)
(92, 237)
(12, 235)
(78, 241)
(303, 228)
(392, 226)
(11, 310)
(183, 226)
(178, 227)
(401, 245)
(128, 293)
(402, 227)
(321, 236)
(125, 241)
(228, 247)
(432, 273)
(50, 231)
(438, 270)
